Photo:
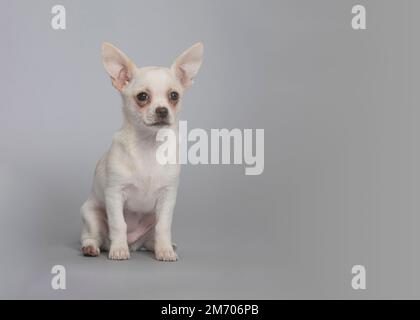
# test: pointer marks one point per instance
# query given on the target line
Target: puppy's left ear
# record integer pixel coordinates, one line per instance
(187, 64)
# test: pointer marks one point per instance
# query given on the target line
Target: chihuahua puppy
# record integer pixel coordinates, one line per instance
(133, 196)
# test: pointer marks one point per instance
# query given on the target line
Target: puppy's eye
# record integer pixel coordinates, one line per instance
(174, 96)
(142, 96)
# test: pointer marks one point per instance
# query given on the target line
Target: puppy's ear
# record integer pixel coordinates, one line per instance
(118, 65)
(188, 63)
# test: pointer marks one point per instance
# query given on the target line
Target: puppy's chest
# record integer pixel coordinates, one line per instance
(145, 187)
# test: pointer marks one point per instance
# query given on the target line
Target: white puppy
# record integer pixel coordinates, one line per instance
(133, 195)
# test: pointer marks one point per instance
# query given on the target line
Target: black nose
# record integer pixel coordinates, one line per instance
(162, 112)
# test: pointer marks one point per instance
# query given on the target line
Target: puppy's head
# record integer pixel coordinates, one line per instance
(152, 95)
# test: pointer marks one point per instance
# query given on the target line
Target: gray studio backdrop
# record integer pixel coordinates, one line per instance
(340, 110)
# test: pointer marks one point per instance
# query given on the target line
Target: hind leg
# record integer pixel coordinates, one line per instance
(94, 228)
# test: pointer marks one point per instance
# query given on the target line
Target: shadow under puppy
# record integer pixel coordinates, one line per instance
(133, 196)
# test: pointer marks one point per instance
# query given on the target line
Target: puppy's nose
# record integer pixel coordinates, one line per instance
(162, 112)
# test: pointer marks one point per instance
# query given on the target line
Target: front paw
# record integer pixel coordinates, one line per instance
(119, 252)
(165, 254)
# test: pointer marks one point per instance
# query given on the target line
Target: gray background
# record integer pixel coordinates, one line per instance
(340, 112)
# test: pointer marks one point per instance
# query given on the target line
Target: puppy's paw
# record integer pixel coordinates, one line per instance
(119, 252)
(165, 254)
(91, 251)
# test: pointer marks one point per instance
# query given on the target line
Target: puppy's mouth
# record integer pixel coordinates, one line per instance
(159, 124)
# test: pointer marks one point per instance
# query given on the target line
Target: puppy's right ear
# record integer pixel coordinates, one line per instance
(118, 65)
